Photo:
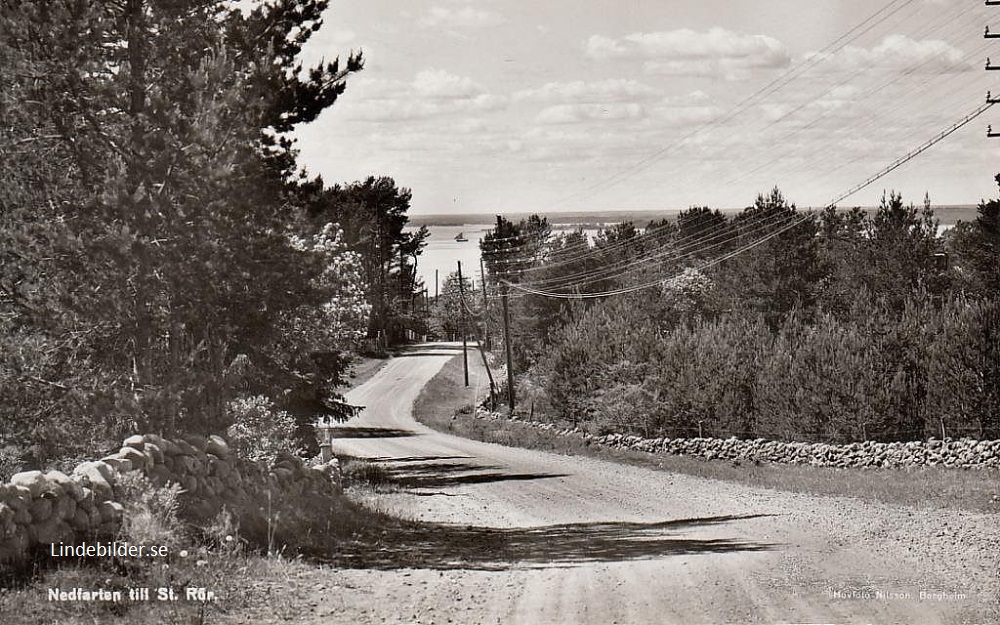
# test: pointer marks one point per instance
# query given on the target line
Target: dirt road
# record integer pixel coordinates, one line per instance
(531, 537)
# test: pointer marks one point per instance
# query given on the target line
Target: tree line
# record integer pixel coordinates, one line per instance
(838, 326)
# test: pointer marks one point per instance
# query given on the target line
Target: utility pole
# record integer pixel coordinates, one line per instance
(510, 357)
(486, 309)
(435, 286)
(506, 331)
(990, 100)
(465, 349)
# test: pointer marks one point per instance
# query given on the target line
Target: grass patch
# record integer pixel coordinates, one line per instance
(440, 405)
(364, 474)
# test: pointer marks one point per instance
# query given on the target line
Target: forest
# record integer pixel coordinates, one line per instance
(837, 326)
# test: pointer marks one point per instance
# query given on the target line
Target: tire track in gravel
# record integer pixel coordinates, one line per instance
(530, 537)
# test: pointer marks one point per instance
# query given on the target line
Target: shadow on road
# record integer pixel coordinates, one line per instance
(430, 474)
(363, 432)
(443, 546)
(409, 458)
(437, 351)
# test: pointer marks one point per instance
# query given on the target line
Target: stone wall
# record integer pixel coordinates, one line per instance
(961, 453)
(38, 508)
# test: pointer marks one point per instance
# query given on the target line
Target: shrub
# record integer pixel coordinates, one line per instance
(259, 430)
(151, 512)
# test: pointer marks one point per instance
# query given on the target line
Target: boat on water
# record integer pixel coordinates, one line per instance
(460, 237)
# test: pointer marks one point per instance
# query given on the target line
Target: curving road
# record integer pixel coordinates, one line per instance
(523, 536)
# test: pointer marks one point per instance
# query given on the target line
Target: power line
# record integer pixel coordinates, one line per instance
(851, 35)
(914, 153)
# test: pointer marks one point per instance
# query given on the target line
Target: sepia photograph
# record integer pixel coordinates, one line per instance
(490, 312)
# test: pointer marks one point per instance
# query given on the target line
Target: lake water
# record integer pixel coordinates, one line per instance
(443, 253)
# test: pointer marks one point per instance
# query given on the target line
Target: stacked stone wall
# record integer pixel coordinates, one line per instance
(39, 508)
(958, 453)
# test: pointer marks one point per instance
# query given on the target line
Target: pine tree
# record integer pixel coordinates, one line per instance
(148, 245)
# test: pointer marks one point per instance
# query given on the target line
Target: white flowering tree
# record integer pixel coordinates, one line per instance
(342, 320)
(322, 337)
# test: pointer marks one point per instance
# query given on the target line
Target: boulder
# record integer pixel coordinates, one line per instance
(6, 514)
(18, 497)
(111, 511)
(136, 441)
(155, 452)
(66, 483)
(139, 460)
(105, 471)
(122, 465)
(81, 520)
(217, 446)
(41, 510)
(34, 481)
(159, 475)
(53, 531)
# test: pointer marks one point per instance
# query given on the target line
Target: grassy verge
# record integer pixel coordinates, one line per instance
(444, 405)
(363, 369)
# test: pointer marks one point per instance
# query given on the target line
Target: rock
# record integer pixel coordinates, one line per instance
(120, 465)
(41, 510)
(196, 442)
(155, 452)
(6, 514)
(19, 541)
(136, 441)
(81, 520)
(66, 483)
(185, 448)
(105, 471)
(159, 475)
(110, 511)
(54, 531)
(217, 446)
(22, 516)
(34, 481)
(139, 460)
(95, 482)
(223, 469)
(169, 448)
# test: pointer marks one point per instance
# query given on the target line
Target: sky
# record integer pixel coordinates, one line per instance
(493, 106)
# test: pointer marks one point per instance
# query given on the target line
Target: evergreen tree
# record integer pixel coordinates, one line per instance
(146, 253)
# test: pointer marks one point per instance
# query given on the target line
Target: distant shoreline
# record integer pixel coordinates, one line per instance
(947, 215)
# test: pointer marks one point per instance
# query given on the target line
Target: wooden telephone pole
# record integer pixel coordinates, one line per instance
(991, 67)
(486, 308)
(465, 348)
(506, 338)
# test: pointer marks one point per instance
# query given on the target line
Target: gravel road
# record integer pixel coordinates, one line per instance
(532, 537)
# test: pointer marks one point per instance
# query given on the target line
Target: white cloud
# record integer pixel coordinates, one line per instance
(576, 113)
(439, 84)
(611, 90)
(900, 52)
(687, 115)
(687, 52)
(459, 17)
(432, 93)
(727, 69)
